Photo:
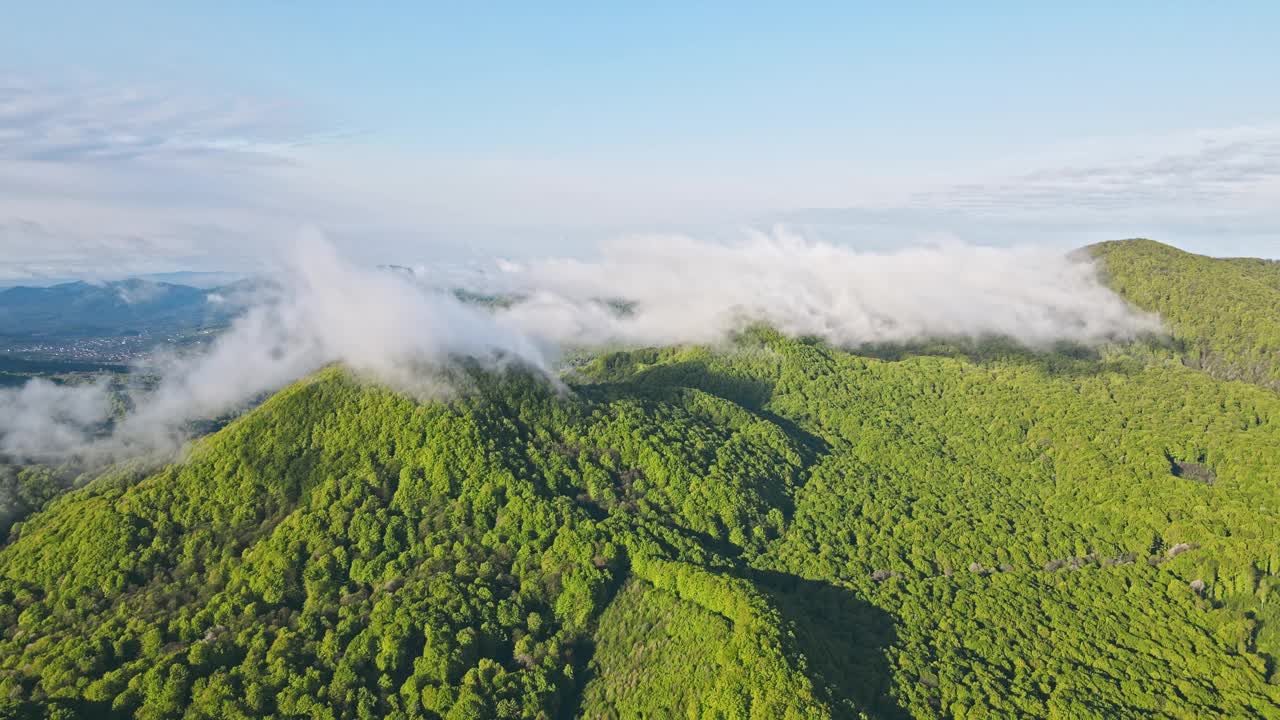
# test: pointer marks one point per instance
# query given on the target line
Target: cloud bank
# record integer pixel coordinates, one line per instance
(397, 327)
(686, 291)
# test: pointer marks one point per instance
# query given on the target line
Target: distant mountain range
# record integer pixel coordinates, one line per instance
(121, 308)
(191, 278)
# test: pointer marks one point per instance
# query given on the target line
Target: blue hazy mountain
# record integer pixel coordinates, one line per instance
(121, 308)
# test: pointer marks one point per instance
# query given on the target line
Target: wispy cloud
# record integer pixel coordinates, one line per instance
(1230, 170)
(86, 123)
(1211, 188)
(99, 178)
(34, 252)
(103, 179)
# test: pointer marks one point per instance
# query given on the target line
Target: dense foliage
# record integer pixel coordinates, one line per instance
(24, 489)
(779, 529)
(1224, 312)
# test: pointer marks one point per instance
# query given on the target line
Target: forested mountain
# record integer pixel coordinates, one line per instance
(1224, 312)
(114, 308)
(778, 528)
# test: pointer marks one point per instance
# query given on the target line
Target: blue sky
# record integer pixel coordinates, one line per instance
(141, 136)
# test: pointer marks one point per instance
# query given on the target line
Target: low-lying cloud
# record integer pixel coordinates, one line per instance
(394, 327)
(686, 291)
(41, 418)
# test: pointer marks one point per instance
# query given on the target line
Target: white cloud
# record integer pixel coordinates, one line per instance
(686, 290)
(99, 179)
(1222, 172)
(400, 329)
(81, 123)
(1209, 190)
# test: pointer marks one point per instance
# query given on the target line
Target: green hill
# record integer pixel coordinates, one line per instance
(1224, 312)
(776, 529)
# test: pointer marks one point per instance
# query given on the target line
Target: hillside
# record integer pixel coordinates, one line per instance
(778, 530)
(1223, 312)
(115, 308)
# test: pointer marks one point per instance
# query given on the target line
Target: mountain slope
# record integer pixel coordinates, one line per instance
(780, 530)
(345, 548)
(109, 309)
(1224, 312)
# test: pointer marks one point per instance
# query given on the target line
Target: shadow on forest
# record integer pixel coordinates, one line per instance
(753, 394)
(581, 650)
(844, 638)
(660, 382)
(61, 708)
(626, 373)
(1062, 359)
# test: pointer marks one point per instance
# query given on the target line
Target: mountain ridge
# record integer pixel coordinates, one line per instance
(1224, 311)
(777, 528)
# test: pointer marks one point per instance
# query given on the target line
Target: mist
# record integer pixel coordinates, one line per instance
(686, 291)
(400, 328)
(318, 310)
(41, 418)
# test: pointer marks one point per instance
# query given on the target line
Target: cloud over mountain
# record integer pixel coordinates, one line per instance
(402, 328)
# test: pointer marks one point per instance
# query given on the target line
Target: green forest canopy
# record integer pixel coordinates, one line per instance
(1225, 313)
(780, 529)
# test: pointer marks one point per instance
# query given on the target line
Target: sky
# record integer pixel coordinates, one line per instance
(151, 137)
